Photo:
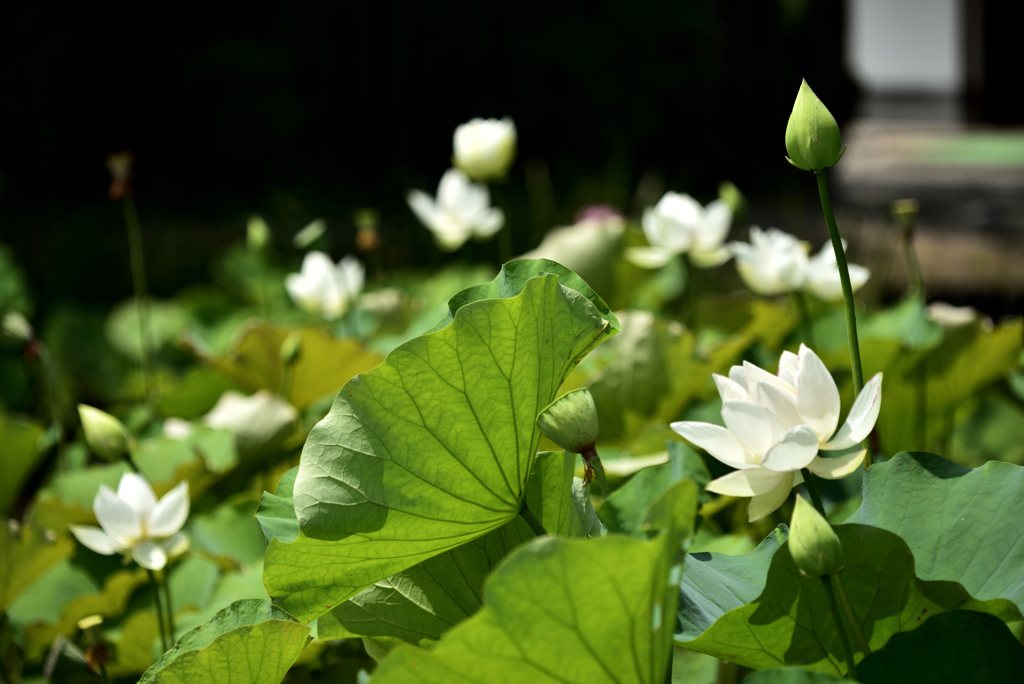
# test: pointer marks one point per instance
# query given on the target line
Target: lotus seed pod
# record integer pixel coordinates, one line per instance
(812, 541)
(104, 433)
(812, 136)
(571, 421)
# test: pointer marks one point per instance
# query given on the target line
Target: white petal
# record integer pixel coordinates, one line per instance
(838, 467)
(789, 367)
(763, 504)
(136, 491)
(755, 375)
(729, 388)
(423, 206)
(858, 276)
(649, 257)
(150, 555)
(116, 517)
(176, 545)
(795, 451)
(748, 482)
(780, 402)
(862, 417)
(171, 512)
(711, 257)
(715, 440)
(753, 425)
(817, 397)
(717, 219)
(737, 375)
(489, 222)
(96, 539)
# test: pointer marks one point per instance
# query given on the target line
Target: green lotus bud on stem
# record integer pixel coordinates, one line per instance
(813, 141)
(571, 423)
(257, 234)
(813, 543)
(106, 435)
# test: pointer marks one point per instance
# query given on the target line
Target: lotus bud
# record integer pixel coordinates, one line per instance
(812, 541)
(257, 234)
(15, 326)
(571, 423)
(485, 148)
(106, 435)
(812, 136)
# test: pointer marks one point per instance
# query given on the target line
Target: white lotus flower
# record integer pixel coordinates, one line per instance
(462, 210)
(132, 520)
(773, 263)
(485, 148)
(822, 278)
(678, 224)
(326, 289)
(775, 426)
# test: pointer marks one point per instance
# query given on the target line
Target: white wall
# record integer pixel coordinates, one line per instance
(906, 46)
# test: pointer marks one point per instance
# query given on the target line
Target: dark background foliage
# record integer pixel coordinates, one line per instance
(317, 109)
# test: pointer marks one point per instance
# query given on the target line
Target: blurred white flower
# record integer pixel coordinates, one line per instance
(132, 520)
(257, 421)
(462, 210)
(678, 224)
(485, 148)
(949, 316)
(773, 263)
(177, 428)
(823, 275)
(775, 426)
(326, 289)
(15, 326)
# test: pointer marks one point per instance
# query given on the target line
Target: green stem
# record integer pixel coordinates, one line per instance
(805, 317)
(851, 668)
(103, 674)
(913, 267)
(159, 610)
(812, 489)
(602, 481)
(922, 405)
(138, 266)
(851, 617)
(170, 606)
(844, 279)
(50, 380)
(532, 521)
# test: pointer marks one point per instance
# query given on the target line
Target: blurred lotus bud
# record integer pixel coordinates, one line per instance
(106, 435)
(16, 327)
(733, 198)
(310, 234)
(120, 166)
(257, 234)
(291, 348)
(812, 541)
(367, 238)
(812, 136)
(485, 148)
(571, 421)
(905, 211)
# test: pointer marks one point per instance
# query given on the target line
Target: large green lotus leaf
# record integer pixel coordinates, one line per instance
(250, 641)
(19, 455)
(324, 363)
(958, 647)
(790, 623)
(624, 511)
(567, 610)
(276, 512)
(792, 675)
(433, 448)
(26, 553)
(229, 530)
(715, 583)
(420, 604)
(164, 320)
(963, 525)
(560, 501)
